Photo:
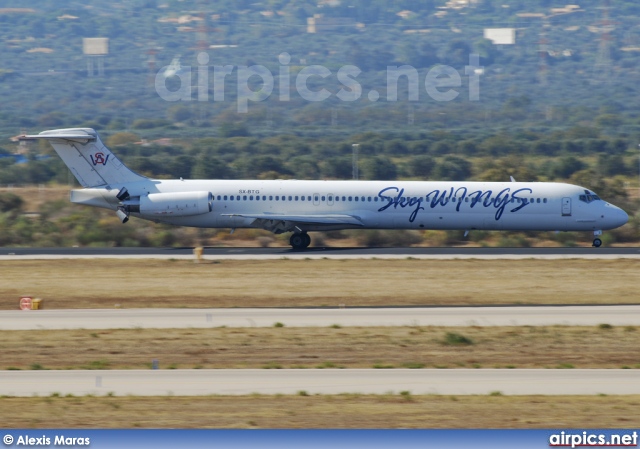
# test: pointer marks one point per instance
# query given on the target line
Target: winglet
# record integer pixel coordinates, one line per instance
(512, 180)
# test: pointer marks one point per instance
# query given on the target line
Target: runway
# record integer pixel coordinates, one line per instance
(323, 252)
(619, 315)
(327, 381)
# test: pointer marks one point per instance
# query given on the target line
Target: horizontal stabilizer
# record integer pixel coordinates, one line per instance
(73, 134)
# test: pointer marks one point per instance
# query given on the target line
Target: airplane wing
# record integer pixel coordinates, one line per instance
(282, 223)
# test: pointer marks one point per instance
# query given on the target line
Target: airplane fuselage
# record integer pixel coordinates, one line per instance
(387, 204)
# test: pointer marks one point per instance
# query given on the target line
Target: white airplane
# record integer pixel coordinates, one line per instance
(301, 206)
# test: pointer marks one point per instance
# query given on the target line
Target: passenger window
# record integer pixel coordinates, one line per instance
(375, 199)
(356, 198)
(344, 198)
(218, 197)
(350, 198)
(330, 198)
(538, 200)
(316, 198)
(296, 198)
(225, 197)
(251, 197)
(544, 200)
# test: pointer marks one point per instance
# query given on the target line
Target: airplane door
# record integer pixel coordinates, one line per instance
(316, 199)
(566, 207)
(330, 199)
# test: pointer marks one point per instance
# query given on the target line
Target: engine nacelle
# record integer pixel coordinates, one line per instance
(182, 204)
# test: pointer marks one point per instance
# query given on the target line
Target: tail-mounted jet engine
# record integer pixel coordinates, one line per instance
(179, 204)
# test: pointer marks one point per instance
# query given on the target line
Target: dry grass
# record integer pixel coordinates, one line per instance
(157, 283)
(335, 412)
(387, 347)
(95, 283)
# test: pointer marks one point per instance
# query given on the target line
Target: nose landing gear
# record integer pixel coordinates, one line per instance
(597, 242)
(299, 240)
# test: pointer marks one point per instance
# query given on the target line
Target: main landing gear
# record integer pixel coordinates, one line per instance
(597, 242)
(299, 240)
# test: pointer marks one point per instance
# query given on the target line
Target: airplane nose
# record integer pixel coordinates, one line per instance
(616, 216)
(623, 217)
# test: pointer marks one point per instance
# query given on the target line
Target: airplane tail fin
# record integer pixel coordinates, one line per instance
(89, 160)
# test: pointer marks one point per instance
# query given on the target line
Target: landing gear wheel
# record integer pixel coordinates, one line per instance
(299, 240)
(597, 243)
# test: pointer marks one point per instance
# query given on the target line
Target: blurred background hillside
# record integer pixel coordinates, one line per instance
(558, 100)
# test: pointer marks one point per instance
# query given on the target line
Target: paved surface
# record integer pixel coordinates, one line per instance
(331, 253)
(326, 381)
(621, 315)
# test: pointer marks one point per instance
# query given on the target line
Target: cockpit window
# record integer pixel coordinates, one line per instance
(589, 198)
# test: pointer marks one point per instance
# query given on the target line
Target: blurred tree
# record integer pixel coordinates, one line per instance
(379, 168)
(566, 167)
(452, 168)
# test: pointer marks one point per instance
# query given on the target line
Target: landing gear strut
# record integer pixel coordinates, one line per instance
(299, 240)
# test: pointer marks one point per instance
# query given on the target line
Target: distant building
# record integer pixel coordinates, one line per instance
(40, 50)
(331, 3)
(406, 14)
(459, 4)
(568, 9)
(182, 20)
(319, 23)
(501, 36)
